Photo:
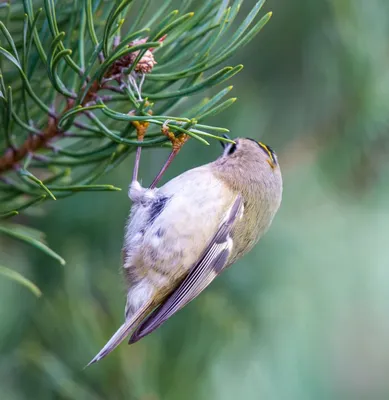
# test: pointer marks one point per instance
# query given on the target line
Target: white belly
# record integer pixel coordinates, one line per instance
(169, 246)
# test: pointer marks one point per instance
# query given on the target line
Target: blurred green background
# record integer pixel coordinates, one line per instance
(306, 314)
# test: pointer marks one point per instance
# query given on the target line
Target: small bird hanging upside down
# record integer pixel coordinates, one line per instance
(180, 237)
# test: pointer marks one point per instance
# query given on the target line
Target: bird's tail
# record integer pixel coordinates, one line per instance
(121, 333)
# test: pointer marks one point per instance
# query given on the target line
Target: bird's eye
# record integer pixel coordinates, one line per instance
(232, 149)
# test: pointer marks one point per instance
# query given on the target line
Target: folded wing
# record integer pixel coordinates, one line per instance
(204, 271)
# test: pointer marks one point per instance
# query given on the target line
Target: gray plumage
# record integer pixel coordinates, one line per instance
(181, 236)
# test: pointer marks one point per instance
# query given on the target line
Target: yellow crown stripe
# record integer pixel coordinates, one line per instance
(267, 151)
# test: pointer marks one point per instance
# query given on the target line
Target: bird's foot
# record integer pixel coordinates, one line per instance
(177, 141)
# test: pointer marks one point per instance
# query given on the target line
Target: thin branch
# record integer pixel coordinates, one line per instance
(13, 156)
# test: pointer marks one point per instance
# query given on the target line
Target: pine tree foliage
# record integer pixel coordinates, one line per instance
(78, 79)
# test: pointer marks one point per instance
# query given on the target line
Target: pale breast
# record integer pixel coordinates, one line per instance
(177, 226)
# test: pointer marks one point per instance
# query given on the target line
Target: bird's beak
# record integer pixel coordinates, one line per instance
(224, 144)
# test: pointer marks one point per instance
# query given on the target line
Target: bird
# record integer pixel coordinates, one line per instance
(181, 236)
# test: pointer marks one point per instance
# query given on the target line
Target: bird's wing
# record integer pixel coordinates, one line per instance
(204, 271)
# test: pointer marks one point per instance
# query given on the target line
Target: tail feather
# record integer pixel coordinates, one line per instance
(121, 334)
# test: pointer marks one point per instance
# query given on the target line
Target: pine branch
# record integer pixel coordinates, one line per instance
(78, 78)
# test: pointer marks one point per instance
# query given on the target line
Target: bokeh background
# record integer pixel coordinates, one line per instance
(306, 314)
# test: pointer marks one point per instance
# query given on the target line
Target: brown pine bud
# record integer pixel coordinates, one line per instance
(145, 64)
